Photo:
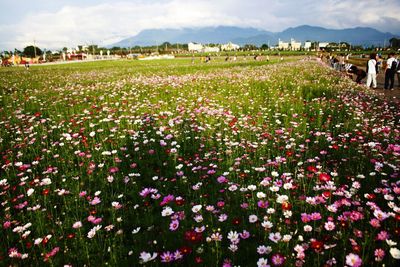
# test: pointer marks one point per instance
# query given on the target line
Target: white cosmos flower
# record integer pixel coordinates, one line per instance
(167, 211)
(146, 257)
(391, 243)
(395, 253)
(30, 191)
(261, 195)
(196, 208)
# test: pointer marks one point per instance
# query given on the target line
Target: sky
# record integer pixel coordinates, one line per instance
(54, 24)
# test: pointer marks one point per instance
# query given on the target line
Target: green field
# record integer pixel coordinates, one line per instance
(245, 163)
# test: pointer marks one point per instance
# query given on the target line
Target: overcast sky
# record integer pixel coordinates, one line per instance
(54, 24)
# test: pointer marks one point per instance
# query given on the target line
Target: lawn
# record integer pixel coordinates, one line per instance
(250, 163)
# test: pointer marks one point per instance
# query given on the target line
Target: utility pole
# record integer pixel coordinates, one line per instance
(34, 47)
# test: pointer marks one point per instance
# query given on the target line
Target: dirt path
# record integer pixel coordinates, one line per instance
(394, 94)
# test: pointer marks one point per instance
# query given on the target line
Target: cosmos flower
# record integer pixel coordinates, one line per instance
(353, 260)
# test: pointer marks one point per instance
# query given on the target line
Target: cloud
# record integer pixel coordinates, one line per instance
(109, 21)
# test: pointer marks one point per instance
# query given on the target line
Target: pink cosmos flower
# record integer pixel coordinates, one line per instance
(375, 223)
(244, 235)
(77, 225)
(316, 216)
(222, 179)
(6, 224)
(167, 257)
(95, 201)
(353, 260)
(275, 237)
(329, 226)
(305, 218)
(278, 259)
(173, 226)
(262, 204)
(379, 254)
(382, 235)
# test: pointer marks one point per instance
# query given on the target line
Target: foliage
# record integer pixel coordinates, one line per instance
(32, 51)
(394, 43)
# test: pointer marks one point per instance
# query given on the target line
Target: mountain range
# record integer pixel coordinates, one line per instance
(222, 34)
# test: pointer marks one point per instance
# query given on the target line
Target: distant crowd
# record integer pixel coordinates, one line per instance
(376, 65)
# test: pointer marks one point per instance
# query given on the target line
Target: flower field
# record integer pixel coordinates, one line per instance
(219, 164)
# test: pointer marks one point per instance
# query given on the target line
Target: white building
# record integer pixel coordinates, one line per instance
(294, 45)
(229, 47)
(307, 45)
(283, 45)
(323, 45)
(209, 49)
(193, 47)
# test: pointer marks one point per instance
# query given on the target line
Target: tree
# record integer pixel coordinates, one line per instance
(264, 47)
(29, 51)
(394, 42)
(250, 47)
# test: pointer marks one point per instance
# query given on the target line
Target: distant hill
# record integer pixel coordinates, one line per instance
(223, 34)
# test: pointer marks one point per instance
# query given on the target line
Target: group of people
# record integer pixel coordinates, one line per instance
(374, 66)
(392, 68)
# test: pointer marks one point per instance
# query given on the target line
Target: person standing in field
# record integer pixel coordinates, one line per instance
(398, 70)
(371, 71)
(391, 66)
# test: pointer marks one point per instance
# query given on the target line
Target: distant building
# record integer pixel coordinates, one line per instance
(209, 49)
(323, 45)
(283, 45)
(229, 47)
(194, 47)
(307, 45)
(294, 45)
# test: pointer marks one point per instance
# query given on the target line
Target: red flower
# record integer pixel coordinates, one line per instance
(286, 206)
(70, 236)
(236, 221)
(193, 236)
(232, 122)
(45, 192)
(317, 245)
(185, 250)
(357, 249)
(311, 169)
(289, 153)
(324, 177)
(326, 194)
(179, 201)
(370, 196)
(198, 260)
(45, 241)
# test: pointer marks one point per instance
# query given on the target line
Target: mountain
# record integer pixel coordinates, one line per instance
(357, 36)
(223, 34)
(220, 34)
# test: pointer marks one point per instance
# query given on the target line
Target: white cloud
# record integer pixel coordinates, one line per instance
(108, 22)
